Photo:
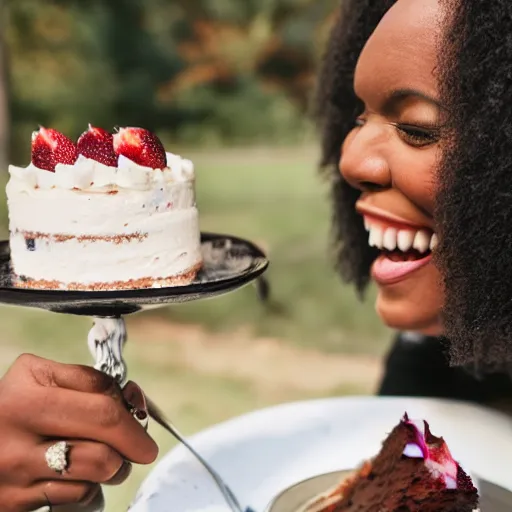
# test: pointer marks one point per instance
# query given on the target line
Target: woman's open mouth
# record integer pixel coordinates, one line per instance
(404, 248)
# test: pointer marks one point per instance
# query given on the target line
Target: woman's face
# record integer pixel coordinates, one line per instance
(391, 156)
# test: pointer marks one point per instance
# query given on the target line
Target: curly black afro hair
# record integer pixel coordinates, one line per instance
(473, 211)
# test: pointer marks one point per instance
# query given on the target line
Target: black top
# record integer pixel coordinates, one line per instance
(417, 366)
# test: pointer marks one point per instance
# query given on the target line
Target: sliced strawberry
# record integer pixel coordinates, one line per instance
(140, 146)
(98, 144)
(50, 147)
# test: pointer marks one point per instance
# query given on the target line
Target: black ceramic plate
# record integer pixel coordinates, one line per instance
(229, 263)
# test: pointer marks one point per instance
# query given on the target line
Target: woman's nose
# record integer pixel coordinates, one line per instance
(363, 164)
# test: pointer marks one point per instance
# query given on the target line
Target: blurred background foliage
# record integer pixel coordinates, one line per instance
(207, 72)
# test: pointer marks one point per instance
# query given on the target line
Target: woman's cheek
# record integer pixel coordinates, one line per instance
(416, 178)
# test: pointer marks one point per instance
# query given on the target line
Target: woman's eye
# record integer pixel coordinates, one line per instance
(416, 136)
(359, 121)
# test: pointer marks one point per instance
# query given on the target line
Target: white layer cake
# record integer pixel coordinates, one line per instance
(89, 226)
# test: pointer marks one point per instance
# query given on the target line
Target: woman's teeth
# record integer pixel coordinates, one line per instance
(391, 239)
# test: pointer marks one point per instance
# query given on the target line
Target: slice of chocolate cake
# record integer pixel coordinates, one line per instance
(414, 472)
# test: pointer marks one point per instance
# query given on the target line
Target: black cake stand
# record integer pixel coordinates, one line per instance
(229, 263)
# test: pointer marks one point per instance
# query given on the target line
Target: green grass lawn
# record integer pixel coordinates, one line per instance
(275, 198)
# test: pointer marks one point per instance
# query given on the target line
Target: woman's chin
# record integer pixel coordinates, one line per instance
(410, 315)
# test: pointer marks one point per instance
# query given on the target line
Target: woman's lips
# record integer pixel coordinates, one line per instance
(407, 245)
(387, 271)
(415, 220)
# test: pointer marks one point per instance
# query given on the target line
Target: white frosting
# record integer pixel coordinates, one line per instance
(413, 451)
(86, 174)
(148, 217)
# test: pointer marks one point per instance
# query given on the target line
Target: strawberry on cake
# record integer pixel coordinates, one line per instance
(414, 472)
(111, 212)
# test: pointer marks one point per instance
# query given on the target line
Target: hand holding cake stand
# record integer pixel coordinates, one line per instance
(228, 263)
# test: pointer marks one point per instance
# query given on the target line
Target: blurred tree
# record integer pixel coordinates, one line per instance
(194, 70)
(275, 41)
(58, 71)
(245, 61)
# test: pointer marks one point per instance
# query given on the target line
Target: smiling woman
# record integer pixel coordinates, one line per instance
(408, 97)
(390, 156)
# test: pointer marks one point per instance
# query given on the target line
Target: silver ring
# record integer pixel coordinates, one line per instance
(57, 457)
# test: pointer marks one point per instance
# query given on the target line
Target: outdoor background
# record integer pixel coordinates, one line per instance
(228, 83)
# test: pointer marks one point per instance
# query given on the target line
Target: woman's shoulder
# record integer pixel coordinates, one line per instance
(418, 365)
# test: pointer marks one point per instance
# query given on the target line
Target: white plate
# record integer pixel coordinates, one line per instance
(262, 453)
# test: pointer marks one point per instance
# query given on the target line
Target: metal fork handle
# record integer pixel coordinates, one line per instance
(160, 418)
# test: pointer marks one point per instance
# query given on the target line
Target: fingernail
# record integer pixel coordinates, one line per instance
(141, 415)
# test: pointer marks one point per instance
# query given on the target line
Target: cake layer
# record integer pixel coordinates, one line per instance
(65, 238)
(77, 212)
(170, 247)
(131, 284)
